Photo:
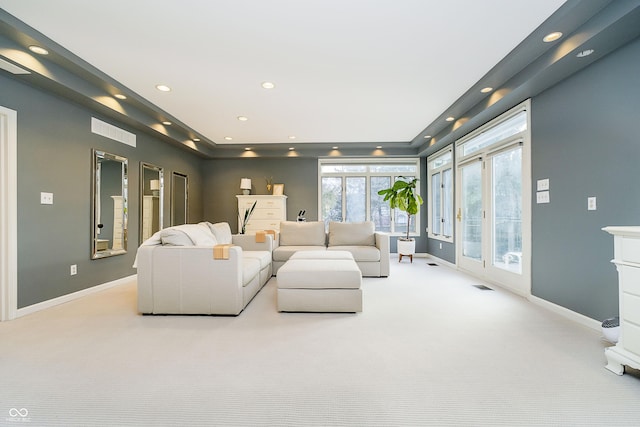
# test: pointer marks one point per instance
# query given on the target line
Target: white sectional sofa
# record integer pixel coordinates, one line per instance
(369, 248)
(178, 273)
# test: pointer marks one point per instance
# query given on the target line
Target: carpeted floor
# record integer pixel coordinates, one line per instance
(429, 348)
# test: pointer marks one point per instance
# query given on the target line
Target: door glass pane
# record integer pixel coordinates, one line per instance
(331, 199)
(436, 208)
(380, 210)
(356, 199)
(471, 210)
(507, 210)
(447, 202)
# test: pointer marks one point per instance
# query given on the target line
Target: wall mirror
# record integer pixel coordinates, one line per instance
(151, 200)
(109, 207)
(179, 198)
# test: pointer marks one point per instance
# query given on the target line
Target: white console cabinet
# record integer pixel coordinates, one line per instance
(626, 253)
(269, 211)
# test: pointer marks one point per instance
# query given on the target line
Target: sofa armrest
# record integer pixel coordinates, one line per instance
(248, 242)
(383, 245)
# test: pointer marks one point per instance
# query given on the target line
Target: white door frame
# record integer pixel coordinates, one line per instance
(8, 214)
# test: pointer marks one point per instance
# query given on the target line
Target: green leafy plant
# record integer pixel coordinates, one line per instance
(244, 219)
(404, 197)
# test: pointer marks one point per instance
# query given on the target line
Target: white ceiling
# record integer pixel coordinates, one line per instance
(345, 70)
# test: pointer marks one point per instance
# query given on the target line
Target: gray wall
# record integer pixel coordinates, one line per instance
(54, 155)
(585, 139)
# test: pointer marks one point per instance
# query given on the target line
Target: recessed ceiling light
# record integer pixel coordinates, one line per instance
(450, 119)
(486, 89)
(584, 53)
(163, 88)
(268, 85)
(335, 147)
(551, 37)
(166, 123)
(119, 96)
(196, 139)
(427, 136)
(39, 50)
(379, 147)
(247, 149)
(242, 118)
(292, 148)
(292, 137)
(228, 138)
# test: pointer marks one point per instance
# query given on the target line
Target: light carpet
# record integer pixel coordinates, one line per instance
(429, 349)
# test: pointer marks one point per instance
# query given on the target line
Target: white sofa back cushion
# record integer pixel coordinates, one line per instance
(222, 232)
(352, 233)
(188, 235)
(294, 233)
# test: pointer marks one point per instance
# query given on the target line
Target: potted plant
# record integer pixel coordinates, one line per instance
(404, 197)
(244, 219)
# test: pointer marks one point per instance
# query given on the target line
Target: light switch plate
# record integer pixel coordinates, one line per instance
(543, 184)
(542, 197)
(46, 198)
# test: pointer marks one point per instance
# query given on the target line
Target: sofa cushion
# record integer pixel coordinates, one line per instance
(352, 233)
(250, 269)
(188, 235)
(294, 233)
(283, 253)
(221, 231)
(360, 253)
(263, 257)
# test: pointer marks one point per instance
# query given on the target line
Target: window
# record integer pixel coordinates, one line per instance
(349, 192)
(440, 181)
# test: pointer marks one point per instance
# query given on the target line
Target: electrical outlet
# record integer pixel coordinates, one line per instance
(440, 245)
(74, 269)
(46, 198)
(591, 204)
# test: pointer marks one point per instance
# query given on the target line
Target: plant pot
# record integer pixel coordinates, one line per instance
(406, 248)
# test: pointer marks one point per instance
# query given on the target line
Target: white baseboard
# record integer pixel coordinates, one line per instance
(565, 312)
(73, 296)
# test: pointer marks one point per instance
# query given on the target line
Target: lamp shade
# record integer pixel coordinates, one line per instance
(245, 184)
(154, 184)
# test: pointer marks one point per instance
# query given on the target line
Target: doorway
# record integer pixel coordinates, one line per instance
(8, 214)
(493, 238)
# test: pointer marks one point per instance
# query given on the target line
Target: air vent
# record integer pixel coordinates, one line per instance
(112, 132)
(13, 69)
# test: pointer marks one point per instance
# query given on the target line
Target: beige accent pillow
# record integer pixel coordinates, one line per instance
(221, 231)
(293, 233)
(352, 233)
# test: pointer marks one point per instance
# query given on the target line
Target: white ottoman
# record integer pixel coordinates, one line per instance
(319, 281)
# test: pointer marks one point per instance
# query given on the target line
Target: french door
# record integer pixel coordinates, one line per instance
(493, 216)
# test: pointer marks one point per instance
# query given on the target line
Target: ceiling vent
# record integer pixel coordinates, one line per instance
(112, 132)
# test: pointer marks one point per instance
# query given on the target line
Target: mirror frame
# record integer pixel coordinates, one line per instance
(175, 175)
(97, 155)
(149, 167)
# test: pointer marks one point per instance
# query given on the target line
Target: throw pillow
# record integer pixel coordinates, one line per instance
(352, 233)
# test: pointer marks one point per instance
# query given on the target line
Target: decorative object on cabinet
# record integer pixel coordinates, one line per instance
(278, 189)
(268, 213)
(245, 186)
(626, 257)
(245, 217)
(109, 207)
(155, 187)
(269, 183)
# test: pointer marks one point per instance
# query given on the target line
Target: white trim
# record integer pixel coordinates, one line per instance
(566, 313)
(8, 213)
(74, 296)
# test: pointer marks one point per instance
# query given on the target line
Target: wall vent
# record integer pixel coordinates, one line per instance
(112, 132)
